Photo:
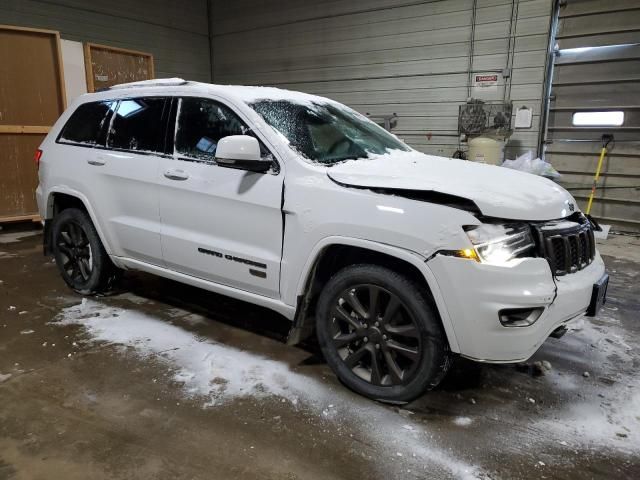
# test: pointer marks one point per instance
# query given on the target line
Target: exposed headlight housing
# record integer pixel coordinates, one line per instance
(497, 244)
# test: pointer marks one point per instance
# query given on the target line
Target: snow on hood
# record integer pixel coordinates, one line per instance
(498, 192)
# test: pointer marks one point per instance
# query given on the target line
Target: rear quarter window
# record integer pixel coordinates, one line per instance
(87, 125)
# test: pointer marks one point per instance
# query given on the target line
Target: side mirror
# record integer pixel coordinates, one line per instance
(242, 152)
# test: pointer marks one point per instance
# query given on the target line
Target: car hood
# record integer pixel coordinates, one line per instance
(497, 191)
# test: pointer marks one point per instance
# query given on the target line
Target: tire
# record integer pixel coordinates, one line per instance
(395, 360)
(81, 258)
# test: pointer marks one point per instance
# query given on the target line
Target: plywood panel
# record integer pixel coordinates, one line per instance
(175, 32)
(32, 97)
(107, 66)
(19, 177)
(30, 80)
(75, 77)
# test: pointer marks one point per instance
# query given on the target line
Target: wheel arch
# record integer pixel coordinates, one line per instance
(333, 254)
(59, 199)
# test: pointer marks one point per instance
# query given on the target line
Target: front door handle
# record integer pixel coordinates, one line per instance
(174, 174)
(98, 161)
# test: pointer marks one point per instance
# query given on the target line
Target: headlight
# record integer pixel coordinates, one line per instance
(499, 243)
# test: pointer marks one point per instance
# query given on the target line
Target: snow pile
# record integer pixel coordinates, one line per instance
(213, 370)
(219, 374)
(606, 410)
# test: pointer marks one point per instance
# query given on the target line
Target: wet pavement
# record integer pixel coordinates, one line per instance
(165, 381)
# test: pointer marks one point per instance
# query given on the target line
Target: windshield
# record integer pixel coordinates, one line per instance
(326, 133)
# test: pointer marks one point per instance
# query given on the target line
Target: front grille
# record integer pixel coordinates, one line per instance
(568, 245)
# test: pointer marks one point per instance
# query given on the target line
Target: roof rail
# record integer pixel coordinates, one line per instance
(158, 82)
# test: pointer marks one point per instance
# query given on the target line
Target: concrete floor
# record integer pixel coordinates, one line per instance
(165, 381)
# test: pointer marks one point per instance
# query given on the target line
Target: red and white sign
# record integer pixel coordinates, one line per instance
(485, 79)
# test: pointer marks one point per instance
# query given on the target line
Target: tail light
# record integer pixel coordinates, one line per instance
(36, 157)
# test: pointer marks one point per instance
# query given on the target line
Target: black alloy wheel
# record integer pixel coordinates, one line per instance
(81, 258)
(381, 334)
(375, 335)
(75, 250)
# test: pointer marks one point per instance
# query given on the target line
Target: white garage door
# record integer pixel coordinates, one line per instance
(408, 57)
(596, 91)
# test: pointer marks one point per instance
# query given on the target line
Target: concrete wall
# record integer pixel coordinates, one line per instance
(175, 32)
(391, 56)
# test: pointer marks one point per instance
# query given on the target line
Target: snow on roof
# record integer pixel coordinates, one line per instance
(247, 94)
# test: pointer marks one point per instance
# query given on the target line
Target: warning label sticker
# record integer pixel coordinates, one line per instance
(485, 79)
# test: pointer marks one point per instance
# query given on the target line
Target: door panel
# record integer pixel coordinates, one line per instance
(219, 224)
(124, 175)
(223, 225)
(126, 198)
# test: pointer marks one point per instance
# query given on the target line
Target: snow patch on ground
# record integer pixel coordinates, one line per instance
(219, 374)
(462, 421)
(13, 237)
(606, 410)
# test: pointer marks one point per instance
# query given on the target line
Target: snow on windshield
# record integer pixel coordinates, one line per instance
(324, 131)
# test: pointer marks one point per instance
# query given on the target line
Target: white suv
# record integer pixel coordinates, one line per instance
(398, 260)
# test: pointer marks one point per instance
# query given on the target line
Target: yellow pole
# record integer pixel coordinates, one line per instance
(603, 152)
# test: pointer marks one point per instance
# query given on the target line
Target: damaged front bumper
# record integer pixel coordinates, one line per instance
(475, 294)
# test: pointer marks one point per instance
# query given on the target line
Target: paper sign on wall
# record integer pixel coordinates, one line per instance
(523, 117)
(485, 80)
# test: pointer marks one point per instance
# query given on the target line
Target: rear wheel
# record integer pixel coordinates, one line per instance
(380, 334)
(80, 255)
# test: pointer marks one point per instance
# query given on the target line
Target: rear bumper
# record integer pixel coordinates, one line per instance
(474, 293)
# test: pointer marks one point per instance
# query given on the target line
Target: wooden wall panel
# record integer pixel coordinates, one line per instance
(107, 66)
(32, 97)
(30, 81)
(19, 177)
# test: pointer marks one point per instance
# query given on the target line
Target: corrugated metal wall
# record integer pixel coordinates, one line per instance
(176, 33)
(390, 56)
(597, 68)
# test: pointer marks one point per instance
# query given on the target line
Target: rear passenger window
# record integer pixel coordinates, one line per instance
(201, 125)
(87, 124)
(137, 125)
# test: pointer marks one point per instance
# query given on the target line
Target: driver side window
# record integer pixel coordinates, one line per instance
(200, 125)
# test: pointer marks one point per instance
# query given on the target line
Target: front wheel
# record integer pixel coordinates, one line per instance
(380, 334)
(81, 258)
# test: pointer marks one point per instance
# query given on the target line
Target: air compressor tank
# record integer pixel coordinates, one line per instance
(486, 149)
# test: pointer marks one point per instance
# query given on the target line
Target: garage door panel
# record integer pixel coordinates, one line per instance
(612, 21)
(521, 76)
(374, 51)
(599, 95)
(593, 134)
(351, 72)
(615, 71)
(408, 109)
(600, 40)
(598, 55)
(258, 15)
(230, 53)
(587, 163)
(583, 7)
(567, 147)
(605, 209)
(308, 32)
(629, 183)
(407, 124)
(563, 119)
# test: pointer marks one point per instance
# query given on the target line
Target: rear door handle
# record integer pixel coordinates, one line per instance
(174, 174)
